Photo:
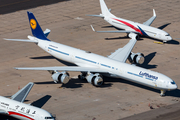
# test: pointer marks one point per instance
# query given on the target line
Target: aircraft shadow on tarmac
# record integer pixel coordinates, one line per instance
(173, 93)
(40, 102)
(147, 60)
(8, 6)
(73, 83)
(108, 82)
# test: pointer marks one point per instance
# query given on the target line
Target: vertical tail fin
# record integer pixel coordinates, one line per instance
(105, 11)
(22, 94)
(35, 27)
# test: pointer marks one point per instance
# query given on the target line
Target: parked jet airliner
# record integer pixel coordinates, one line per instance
(94, 66)
(16, 108)
(132, 27)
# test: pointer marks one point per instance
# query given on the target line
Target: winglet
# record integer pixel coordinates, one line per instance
(149, 22)
(22, 94)
(35, 27)
(92, 28)
(154, 13)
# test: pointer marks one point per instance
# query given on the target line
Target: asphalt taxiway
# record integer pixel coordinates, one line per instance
(79, 100)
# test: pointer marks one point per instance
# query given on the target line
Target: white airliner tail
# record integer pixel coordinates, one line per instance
(22, 94)
(105, 12)
(104, 9)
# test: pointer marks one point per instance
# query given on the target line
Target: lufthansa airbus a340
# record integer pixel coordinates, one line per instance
(92, 66)
(130, 26)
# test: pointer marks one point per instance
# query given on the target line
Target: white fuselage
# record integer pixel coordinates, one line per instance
(115, 68)
(23, 111)
(137, 27)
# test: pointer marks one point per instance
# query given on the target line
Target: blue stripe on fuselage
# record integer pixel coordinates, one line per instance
(58, 51)
(85, 59)
(135, 74)
(106, 65)
(142, 31)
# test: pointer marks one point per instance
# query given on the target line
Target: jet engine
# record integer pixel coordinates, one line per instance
(61, 77)
(133, 36)
(136, 58)
(95, 79)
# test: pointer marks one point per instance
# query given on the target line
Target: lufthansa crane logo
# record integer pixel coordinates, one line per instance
(33, 24)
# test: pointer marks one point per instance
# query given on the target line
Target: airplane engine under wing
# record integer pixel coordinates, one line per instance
(136, 58)
(62, 77)
(133, 35)
(95, 79)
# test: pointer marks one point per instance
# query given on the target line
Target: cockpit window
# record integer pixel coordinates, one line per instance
(173, 82)
(49, 117)
(167, 35)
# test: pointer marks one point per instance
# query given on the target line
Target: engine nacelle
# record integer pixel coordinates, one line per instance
(95, 79)
(61, 77)
(137, 58)
(133, 36)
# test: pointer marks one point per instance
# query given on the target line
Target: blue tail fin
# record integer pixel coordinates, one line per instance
(35, 27)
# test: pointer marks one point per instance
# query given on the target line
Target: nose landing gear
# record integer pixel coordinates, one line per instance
(162, 93)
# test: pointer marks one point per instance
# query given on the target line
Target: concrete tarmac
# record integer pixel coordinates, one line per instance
(79, 100)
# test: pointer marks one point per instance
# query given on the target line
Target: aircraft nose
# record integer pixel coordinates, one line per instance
(169, 38)
(174, 86)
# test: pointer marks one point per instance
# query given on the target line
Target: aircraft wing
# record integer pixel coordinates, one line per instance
(123, 53)
(149, 22)
(65, 68)
(22, 40)
(22, 94)
(116, 31)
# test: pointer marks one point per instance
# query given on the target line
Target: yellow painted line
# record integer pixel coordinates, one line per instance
(158, 42)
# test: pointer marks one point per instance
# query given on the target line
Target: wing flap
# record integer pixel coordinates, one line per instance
(65, 68)
(123, 53)
(22, 94)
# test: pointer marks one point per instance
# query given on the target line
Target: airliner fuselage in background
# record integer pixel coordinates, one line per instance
(132, 27)
(93, 66)
(16, 108)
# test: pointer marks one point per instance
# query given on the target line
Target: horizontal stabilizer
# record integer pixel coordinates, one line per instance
(46, 32)
(96, 15)
(65, 68)
(22, 94)
(22, 40)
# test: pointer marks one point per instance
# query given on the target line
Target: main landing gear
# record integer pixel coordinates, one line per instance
(162, 93)
(82, 76)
